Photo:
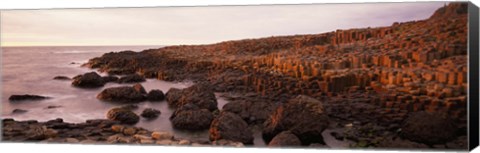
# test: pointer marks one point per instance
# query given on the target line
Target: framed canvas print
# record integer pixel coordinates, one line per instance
(394, 76)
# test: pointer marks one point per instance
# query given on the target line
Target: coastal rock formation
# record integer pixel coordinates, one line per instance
(26, 97)
(88, 80)
(191, 117)
(251, 112)
(133, 78)
(122, 115)
(303, 116)
(123, 94)
(199, 94)
(429, 128)
(230, 126)
(285, 139)
(150, 113)
(155, 95)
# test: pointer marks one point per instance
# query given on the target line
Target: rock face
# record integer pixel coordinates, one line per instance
(191, 117)
(123, 94)
(199, 94)
(122, 115)
(88, 80)
(251, 112)
(150, 113)
(155, 95)
(230, 126)
(303, 116)
(428, 128)
(133, 78)
(26, 97)
(285, 139)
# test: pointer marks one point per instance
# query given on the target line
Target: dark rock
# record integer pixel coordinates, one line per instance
(428, 128)
(191, 117)
(121, 94)
(155, 95)
(125, 116)
(19, 111)
(303, 116)
(139, 88)
(61, 78)
(285, 139)
(200, 94)
(26, 97)
(251, 112)
(150, 113)
(230, 126)
(133, 78)
(110, 78)
(52, 107)
(88, 80)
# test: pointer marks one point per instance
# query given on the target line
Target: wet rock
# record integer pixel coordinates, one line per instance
(88, 80)
(125, 116)
(251, 112)
(200, 94)
(19, 111)
(285, 139)
(155, 95)
(130, 131)
(150, 113)
(121, 94)
(230, 126)
(303, 116)
(110, 78)
(61, 78)
(399, 143)
(162, 135)
(72, 140)
(117, 128)
(139, 88)
(133, 78)
(191, 117)
(26, 97)
(428, 128)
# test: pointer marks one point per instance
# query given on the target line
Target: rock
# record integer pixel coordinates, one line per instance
(399, 143)
(303, 116)
(150, 113)
(19, 111)
(71, 140)
(125, 116)
(139, 88)
(61, 78)
(191, 117)
(285, 139)
(147, 141)
(155, 95)
(130, 131)
(428, 128)
(133, 78)
(121, 94)
(117, 128)
(184, 142)
(200, 94)
(36, 132)
(26, 97)
(88, 80)
(230, 126)
(162, 135)
(164, 142)
(141, 137)
(110, 78)
(251, 112)
(52, 107)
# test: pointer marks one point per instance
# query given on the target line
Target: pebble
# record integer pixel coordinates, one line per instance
(129, 131)
(117, 128)
(184, 142)
(162, 135)
(164, 142)
(72, 140)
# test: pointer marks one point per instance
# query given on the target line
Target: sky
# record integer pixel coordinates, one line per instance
(195, 25)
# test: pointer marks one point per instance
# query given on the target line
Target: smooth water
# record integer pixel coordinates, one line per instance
(30, 70)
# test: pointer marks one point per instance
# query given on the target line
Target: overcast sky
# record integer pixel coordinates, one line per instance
(195, 25)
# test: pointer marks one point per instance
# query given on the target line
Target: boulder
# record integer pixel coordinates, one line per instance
(285, 139)
(122, 115)
(155, 95)
(150, 113)
(139, 88)
(26, 97)
(428, 128)
(110, 78)
(88, 80)
(132, 78)
(251, 112)
(230, 126)
(200, 94)
(123, 94)
(303, 116)
(191, 117)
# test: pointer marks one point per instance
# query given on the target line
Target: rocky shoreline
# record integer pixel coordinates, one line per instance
(292, 88)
